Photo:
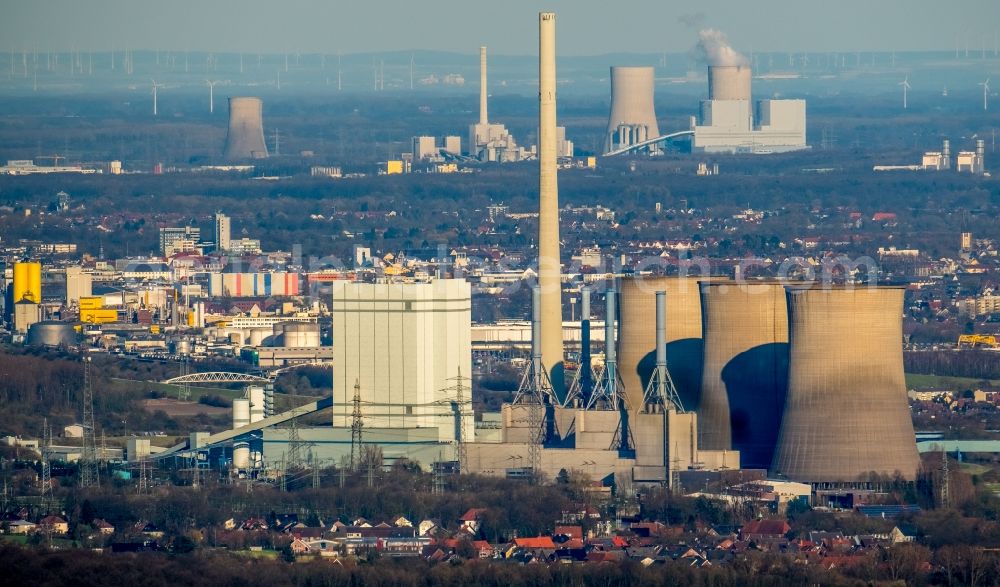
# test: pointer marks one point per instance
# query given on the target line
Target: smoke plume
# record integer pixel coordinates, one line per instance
(714, 49)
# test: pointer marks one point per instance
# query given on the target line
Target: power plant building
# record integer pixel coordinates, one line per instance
(407, 346)
(730, 123)
(490, 141)
(846, 414)
(633, 118)
(245, 139)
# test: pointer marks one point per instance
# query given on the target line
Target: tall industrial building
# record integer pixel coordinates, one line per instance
(223, 232)
(632, 119)
(405, 345)
(245, 139)
(846, 413)
(730, 123)
(490, 141)
(745, 371)
(78, 285)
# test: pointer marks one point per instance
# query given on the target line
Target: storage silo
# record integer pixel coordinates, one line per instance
(28, 282)
(241, 455)
(255, 393)
(637, 335)
(245, 139)
(846, 413)
(241, 412)
(301, 335)
(633, 117)
(51, 333)
(729, 82)
(745, 372)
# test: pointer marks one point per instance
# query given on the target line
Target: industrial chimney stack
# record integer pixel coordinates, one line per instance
(483, 118)
(245, 139)
(548, 210)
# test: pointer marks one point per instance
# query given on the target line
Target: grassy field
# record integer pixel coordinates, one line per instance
(940, 382)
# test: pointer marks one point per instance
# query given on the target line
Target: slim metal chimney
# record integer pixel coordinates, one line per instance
(946, 154)
(548, 210)
(482, 86)
(586, 379)
(610, 356)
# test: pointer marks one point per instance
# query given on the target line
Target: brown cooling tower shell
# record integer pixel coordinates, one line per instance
(245, 139)
(846, 413)
(637, 335)
(745, 370)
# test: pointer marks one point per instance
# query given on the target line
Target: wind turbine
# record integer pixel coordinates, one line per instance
(906, 86)
(986, 93)
(211, 95)
(154, 96)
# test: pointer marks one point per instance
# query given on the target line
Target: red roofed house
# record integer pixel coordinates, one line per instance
(536, 542)
(764, 529)
(471, 520)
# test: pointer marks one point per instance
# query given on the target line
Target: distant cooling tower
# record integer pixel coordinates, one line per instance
(729, 82)
(745, 373)
(637, 335)
(245, 139)
(846, 413)
(632, 119)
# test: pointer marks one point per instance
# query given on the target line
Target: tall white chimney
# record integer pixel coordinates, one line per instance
(548, 210)
(483, 119)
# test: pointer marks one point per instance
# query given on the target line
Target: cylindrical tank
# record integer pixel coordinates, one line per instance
(245, 139)
(241, 412)
(236, 338)
(631, 105)
(241, 455)
(301, 335)
(51, 333)
(255, 393)
(637, 335)
(28, 281)
(182, 346)
(729, 82)
(745, 371)
(846, 413)
(257, 336)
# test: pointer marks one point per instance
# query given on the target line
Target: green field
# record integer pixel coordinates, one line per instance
(940, 382)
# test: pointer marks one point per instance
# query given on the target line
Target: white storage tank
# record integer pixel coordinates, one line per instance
(257, 336)
(255, 393)
(241, 455)
(241, 412)
(301, 335)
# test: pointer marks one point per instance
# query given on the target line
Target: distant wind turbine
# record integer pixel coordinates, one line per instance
(211, 95)
(154, 96)
(986, 93)
(906, 86)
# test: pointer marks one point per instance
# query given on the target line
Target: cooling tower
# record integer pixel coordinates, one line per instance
(745, 371)
(729, 82)
(245, 139)
(846, 412)
(549, 267)
(632, 119)
(637, 335)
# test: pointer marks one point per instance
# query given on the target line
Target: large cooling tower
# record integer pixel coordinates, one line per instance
(637, 335)
(729, 82)
(846, 412)
(632, 119)
(745, 372)
(245, 139)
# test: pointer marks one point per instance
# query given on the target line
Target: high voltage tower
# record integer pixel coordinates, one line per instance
(535, 390)
(357, 424)
(462, 409)
(46, 465)
(89, 472)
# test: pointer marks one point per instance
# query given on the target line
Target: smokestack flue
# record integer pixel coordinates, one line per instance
(632, 118)
(586, 382)
(482, 86)
(245, 139)
(846, 413)
(549, 269)
(745, 373)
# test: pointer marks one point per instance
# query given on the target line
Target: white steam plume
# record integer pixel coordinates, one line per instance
(713, 48)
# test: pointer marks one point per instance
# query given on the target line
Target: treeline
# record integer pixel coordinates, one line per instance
(977, 364)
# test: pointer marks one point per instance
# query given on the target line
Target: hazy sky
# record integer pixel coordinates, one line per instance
(585, 27)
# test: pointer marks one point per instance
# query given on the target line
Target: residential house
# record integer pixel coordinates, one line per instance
(53, 525)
